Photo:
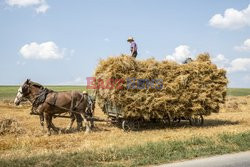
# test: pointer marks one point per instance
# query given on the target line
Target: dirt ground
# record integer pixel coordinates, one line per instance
(27, 138)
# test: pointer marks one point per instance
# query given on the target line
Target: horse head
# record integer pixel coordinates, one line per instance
(23, 92)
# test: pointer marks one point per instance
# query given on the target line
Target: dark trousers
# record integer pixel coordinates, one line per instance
(134, 54)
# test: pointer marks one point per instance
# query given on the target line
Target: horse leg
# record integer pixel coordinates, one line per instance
(41, 116)
(92, 123)
(48, 124)
(79, 121)
(92, 114)
(52, 125)
(86, 123)
(72, 117)
(79, 126)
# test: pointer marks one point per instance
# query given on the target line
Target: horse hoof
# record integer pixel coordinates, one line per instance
(79, 129)
(87, 131)
(68, 128)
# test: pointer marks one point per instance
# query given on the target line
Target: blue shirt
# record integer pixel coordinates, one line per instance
(133, 46)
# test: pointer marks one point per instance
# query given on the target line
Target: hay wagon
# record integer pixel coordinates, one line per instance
(159, 91)
(116, 117)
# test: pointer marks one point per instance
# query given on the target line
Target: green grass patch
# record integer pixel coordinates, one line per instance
(147, 154)
(238, 91)
(9, 92)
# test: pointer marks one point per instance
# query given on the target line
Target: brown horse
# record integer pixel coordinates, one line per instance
(47, 103)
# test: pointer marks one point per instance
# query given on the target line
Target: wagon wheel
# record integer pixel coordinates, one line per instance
(130, 125)
(177, 120)
(136, 125)
(113, 121)
(167, 121)
(196, 120)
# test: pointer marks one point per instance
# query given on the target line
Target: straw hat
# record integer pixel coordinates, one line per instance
(130, 39)
(84, 92)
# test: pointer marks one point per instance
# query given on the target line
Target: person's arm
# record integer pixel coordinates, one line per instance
(133, 48)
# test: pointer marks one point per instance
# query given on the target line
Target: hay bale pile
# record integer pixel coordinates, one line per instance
(194, 88)
(235, 104)
(10, 126)
(232, 106)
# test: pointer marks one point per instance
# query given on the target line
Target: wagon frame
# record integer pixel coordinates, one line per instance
(116, 117)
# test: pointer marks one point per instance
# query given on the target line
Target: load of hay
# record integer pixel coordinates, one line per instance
(174, 89)
(234, 104)
(10, 126)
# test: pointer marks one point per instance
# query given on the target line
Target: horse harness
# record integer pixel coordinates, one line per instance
(90, 103)
(40, 99)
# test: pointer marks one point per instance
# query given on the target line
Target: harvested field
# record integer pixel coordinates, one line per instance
(34, 142)
(235, 104)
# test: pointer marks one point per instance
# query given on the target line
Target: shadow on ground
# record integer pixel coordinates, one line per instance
(185, 124)
(75, 130)
(218, 122)
(148, 126)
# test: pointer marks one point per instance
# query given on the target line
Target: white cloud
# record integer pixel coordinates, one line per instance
(77, 81)
(40, 6)
(236, 65)
(244, 47)
(23, 3)
(22, 63)
(220, 60)
(42, 9)
(106, 39)
(239, 64)
(43, 51)
(232, 19)
(180, 54)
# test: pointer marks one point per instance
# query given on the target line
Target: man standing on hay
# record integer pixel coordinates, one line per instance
(133, 47)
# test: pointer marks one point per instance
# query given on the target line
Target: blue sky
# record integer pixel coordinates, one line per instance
(61, 42)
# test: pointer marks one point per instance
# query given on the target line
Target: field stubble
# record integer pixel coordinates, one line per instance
(32, 141)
